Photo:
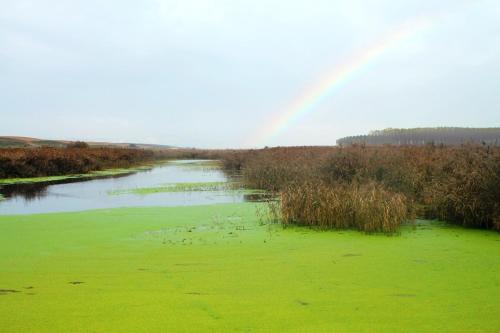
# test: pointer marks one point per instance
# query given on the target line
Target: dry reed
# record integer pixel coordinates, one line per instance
(369, 207)
(458, 184)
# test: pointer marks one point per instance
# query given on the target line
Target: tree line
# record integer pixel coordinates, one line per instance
(424, 136)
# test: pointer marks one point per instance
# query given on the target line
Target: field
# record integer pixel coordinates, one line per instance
(219, 268)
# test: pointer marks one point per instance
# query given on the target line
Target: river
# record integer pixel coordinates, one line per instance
(118, 191)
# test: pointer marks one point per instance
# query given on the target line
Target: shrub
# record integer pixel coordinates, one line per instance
(77, 144)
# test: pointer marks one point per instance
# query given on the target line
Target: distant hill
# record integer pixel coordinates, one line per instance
(25, 142)
(422, 136)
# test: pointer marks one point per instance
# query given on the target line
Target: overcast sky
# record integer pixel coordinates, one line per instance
(213, 73)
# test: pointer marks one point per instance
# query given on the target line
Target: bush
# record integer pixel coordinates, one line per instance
(77, 144)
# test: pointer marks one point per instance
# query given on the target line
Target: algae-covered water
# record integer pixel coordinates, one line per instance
(218, 267)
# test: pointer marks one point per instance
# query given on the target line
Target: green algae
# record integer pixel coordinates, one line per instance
(1, 197)
(176, 187)
(189, 187)
(12, 181)
(217, 268)
(90, 175)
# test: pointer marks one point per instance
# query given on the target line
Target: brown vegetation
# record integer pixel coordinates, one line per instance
(366, 188)
(39, 162)
(326, 186)
(369, 207)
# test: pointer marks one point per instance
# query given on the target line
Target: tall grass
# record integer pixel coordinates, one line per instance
(368, 207)
(458, 184)
(465, 189)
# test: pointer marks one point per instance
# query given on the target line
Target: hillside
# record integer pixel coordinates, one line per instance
(26, 142)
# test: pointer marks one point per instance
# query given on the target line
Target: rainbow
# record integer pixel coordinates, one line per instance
(325, 87)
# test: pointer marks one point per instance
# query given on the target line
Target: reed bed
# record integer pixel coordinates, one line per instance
(457, 184)
(369, 207)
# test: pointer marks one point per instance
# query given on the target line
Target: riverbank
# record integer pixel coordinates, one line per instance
(218, 268)
(82, 176)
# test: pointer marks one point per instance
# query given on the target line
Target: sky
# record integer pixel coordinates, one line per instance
(221, 74)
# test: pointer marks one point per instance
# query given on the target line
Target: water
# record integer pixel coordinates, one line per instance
(94, 194)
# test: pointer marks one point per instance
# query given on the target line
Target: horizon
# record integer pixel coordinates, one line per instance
(370, 133)
(221, 74)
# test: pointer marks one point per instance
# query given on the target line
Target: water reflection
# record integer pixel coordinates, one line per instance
(258, 197)
(27, 191)
(31, 191)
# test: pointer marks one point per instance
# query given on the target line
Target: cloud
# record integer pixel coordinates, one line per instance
(210, 73)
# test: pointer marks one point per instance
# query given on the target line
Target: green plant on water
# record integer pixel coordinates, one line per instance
(269, 212)
(155, 269)
(228, 187)
(176, 187)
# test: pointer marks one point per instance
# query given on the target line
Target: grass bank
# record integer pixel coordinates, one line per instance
(217, 268)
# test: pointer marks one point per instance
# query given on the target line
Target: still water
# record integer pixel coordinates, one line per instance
(95, 194)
